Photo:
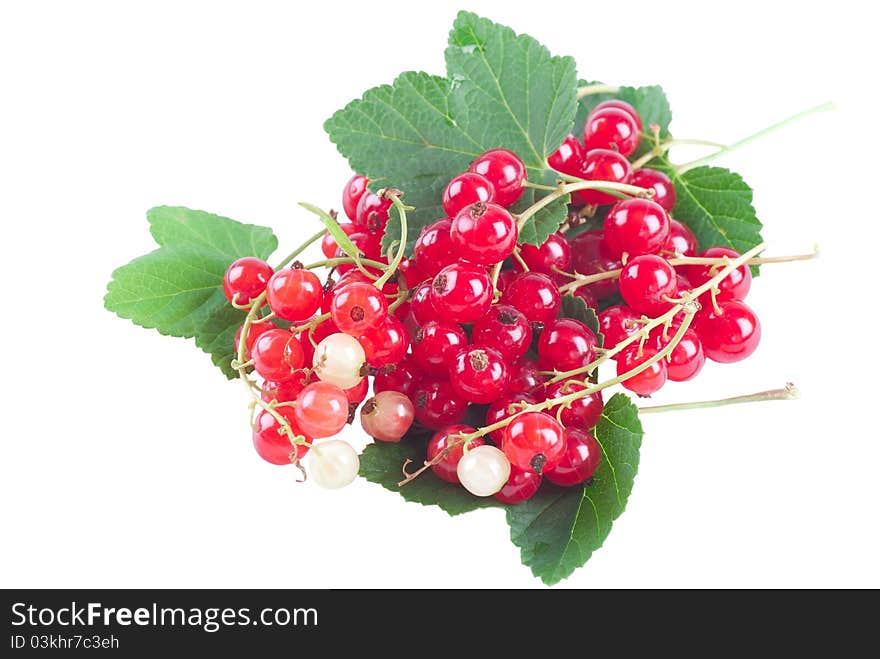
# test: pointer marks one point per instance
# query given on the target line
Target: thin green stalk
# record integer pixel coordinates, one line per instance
(401, 249)
(562, 190)
(824, 107)
(788, 392)
(598, 88)
(332, 263)
(299, 250)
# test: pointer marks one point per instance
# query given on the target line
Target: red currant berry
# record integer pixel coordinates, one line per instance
(611, 128)
(621, 105)
(647, 381)
(636, 226)
(358, 307)
(387, 416)
(254, 331)
(464, 190)
(501, 409)
(400, 377)
(483, 233)
(329, 246)
(446, 468)
(411, 273)
(587, 296)
(521, 486)
(582, 457)
(525, 376)
(358, 392)
(652, 179)
(421, 307)
(681, 241)
(435, 345)
(271, 444)
(569, 157)
(433, 250)
(733, 287)
(534, 441)
(582, 412)
(602, 165)
(505, 171)
(504, 278)
(321, 409)
(246, 279)
(644, 283)
(277, 355)
(372, 213)
(295, 294)
(284, 392)
(479, 374)
(591, 256)
(351, 195)
(686, 359)
(437, 403)
(566, 344)
(729, 336)
(386, 343)
(554, 254)
(618, 323)
(506, 329)
(535, 295)
(461, 292)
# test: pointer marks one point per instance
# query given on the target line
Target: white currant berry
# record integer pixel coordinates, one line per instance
(333, 464)
(338, 360)
(483, 470)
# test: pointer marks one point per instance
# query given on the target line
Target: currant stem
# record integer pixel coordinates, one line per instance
(392, 267)
(496, 273)
(580, 184)
(299, 250)
(241, 364)
(332, 263)
(693, 294)
(788, 392)
(824, 107)
(519, 259)
(598, 88)
(660, 148)
(584, 280)
(689, 308)
(538, 186)
(400, 298)
(567, 399)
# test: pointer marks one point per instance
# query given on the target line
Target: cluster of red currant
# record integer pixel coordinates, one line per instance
(472, 319)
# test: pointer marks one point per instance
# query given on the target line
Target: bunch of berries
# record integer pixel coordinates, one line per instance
(470, 325)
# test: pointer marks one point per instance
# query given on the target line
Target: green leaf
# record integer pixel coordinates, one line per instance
(575, 307)
(173, 289)
(650, 102)
(559, 528)
(547, 221)
(717, 206)
(381, 462)
(177, 289)
(176, 225)
(504, 90)
(512, 84)
(216, 336)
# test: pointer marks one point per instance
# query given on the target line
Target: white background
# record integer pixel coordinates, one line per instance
(126, 457)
